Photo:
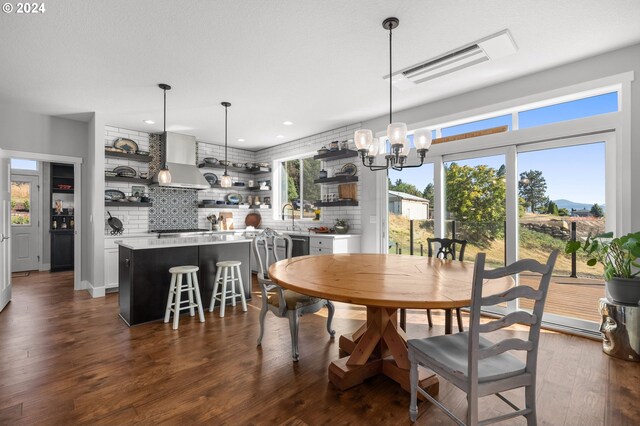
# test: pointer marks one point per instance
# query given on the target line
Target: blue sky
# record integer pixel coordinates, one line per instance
(573, 173)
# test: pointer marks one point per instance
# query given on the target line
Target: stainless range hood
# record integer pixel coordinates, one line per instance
(180, 152)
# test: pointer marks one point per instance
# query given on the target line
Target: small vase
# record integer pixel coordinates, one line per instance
(341, 229)
(624, 290)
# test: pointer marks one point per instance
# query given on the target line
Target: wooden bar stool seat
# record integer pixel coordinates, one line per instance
(228, 285)
(177, 287)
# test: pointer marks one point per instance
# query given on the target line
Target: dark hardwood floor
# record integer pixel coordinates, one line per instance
(69, 359)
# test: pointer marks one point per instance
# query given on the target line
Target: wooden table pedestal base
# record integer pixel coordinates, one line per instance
(378, 347)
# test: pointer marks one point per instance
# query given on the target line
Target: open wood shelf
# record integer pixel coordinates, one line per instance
(339, 203)
(337, 179)
(127, 204)
(132, 157)
(128, 179)
(336, 155)
(235, 169)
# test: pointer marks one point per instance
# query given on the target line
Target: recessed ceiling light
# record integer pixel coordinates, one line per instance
(149, 122)
(279, 136)
(240, 140)
(287, 123)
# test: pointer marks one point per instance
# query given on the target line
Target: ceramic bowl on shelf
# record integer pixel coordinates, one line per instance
(142, 152)
(238, 165)
(133, 198)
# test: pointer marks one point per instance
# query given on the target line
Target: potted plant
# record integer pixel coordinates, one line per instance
(341, 226)
(619, 256)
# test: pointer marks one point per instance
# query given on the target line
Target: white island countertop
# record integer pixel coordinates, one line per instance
(155, 242)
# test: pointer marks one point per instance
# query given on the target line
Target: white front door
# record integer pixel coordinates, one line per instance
(5, 231)
(24, 223)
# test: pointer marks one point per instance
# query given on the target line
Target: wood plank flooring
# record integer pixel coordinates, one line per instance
(68, 359)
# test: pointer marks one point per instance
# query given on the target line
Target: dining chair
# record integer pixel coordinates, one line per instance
(446, 250)
(477, 365)
(271, 246)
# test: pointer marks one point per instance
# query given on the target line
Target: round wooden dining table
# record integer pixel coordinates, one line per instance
(383, 283)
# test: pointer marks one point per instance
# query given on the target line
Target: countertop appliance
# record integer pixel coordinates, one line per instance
(180, 158)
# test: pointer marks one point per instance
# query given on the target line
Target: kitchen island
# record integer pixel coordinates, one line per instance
(143, 270)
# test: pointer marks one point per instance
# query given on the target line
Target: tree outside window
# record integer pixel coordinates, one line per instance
(297, 186)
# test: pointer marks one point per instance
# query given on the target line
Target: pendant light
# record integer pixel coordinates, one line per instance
(164, 175)
(225, 181)
(396, 132)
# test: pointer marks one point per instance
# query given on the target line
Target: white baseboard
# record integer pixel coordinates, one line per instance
(45, 267)
(93, 291)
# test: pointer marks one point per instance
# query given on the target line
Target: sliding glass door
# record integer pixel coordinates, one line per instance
(562, 197)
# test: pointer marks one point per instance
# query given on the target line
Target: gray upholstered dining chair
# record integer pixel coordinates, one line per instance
(481, 367)
(271, 246)
(447, 248)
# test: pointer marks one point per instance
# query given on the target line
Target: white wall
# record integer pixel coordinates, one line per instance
(611, 63)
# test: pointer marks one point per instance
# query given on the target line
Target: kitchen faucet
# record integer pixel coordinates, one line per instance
(293, 216)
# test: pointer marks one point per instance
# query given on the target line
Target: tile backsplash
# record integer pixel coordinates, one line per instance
(178, 208)
(173, 208)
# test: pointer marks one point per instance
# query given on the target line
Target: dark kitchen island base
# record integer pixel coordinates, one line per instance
(144, 275)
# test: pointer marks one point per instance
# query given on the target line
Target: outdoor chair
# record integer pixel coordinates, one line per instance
(481, 367)
(283, 303)
(446, 250)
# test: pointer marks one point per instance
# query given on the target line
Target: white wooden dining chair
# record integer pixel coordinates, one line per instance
(283, 303)
(478, 366)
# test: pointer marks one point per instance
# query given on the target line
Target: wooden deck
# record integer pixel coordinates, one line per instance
(68, 359)
(571, 297)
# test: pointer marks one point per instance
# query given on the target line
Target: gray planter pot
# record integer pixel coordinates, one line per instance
(624, 290)
(341, 229)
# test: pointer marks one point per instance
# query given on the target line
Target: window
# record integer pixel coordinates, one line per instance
(20, 203)
(19, 164)
(503, 120)
(580, 108)
(297, 187)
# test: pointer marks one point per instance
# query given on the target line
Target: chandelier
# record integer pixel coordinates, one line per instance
(369, 147)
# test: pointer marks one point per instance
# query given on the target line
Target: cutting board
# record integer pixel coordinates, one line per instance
(226, 221)
(347, 191)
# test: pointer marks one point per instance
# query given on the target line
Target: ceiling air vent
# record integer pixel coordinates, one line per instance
(489, 48)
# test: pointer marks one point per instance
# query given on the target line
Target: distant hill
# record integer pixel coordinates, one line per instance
(566, 204)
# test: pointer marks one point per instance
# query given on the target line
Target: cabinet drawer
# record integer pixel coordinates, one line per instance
(320, 242)
(320, 250)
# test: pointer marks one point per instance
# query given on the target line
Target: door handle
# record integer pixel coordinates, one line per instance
(2, 238)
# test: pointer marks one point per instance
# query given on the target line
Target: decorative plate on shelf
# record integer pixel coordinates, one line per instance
(211, 178)
(349, 169)
(125, 171)
(113, 195)
(210, 160)
(127, 145)
(234, 198)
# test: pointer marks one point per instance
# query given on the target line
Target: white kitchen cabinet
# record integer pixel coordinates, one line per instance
(334, 244)
(111, 268)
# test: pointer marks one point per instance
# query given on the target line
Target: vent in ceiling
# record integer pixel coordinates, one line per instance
(489, 48)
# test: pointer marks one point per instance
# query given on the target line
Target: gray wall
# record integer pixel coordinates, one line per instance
(611, 63)
(43, 134)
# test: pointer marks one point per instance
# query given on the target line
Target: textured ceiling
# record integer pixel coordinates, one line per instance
(316, 63)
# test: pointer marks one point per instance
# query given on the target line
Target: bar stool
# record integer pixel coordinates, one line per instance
(228, 273)
(177, 288)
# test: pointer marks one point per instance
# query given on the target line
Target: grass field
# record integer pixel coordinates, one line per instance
(535, 245)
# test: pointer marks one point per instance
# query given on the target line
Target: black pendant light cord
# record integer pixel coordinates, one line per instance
(225, 140)
(164, 123)
(390, 77)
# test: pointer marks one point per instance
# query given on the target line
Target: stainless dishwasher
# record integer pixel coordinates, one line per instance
(300, 246)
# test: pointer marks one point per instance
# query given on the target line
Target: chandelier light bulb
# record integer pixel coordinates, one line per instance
(397, 133)
(363, 139)
(422, 139)
(373, 148)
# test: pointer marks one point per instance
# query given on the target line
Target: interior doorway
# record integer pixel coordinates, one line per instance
(61, 185)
